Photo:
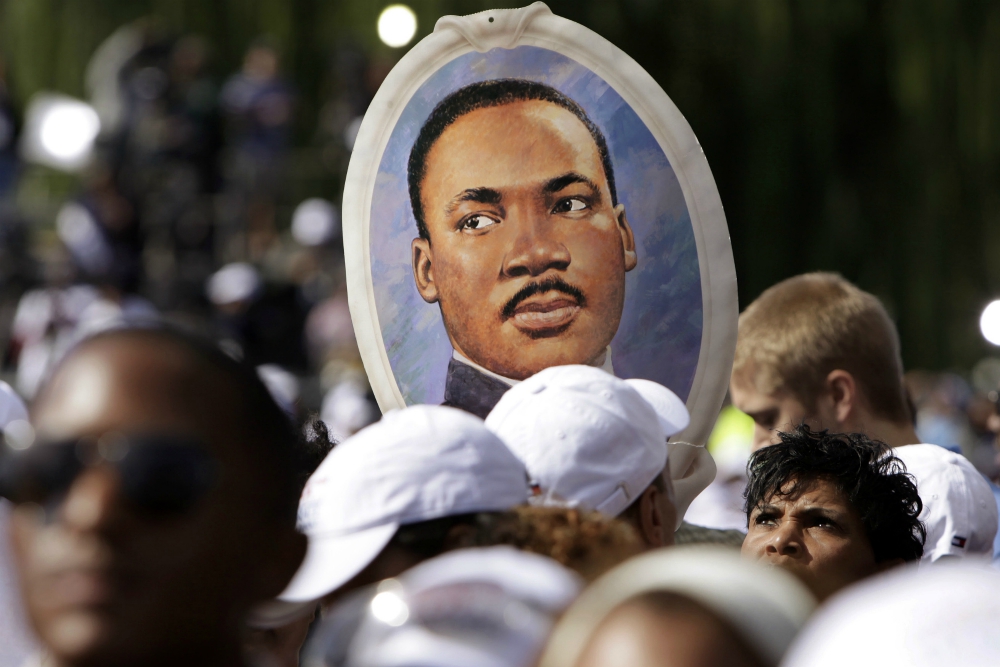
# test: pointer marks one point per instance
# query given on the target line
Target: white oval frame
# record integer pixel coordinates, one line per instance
(536, 25)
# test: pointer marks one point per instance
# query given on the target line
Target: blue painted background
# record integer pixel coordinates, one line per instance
(660, 334)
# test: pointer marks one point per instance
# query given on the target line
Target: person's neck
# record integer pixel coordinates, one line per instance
(894, 434)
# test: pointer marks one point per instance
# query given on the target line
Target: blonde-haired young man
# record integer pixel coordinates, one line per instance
(816, 349)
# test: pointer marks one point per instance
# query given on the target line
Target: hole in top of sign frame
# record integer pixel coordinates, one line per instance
(491, 19)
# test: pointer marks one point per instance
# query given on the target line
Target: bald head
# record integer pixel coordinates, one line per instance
(107, 582)
(160, 380)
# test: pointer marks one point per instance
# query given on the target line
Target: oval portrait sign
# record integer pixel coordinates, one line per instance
(522, 194)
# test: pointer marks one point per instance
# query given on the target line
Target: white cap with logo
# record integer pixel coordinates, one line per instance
(588, 439)
(416, 464)
(960, 513)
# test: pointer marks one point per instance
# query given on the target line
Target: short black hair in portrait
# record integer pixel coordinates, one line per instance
(874, 481)
(484, 95)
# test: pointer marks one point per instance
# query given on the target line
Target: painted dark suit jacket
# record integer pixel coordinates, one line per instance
(468, 389)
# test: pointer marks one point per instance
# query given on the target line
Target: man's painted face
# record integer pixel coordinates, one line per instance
(527, 255)
(816, 534)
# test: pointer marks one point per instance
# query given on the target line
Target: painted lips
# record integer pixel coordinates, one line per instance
(551, 311)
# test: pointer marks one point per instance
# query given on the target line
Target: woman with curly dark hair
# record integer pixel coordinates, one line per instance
(831, 508)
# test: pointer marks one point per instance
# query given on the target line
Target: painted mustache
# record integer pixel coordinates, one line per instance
(540, 287)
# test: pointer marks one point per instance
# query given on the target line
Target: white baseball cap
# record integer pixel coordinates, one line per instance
(588, 439)
(233, 283)
(673, 414)
(416, 464)
(911, 617)
(692, 467)
(766, 606)
(484, 607)
(960, 513)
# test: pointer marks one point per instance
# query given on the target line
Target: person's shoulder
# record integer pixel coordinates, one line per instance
(934, 460)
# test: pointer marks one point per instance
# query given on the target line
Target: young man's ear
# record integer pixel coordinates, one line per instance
(841, 396)
(628, 238)
(423, 269)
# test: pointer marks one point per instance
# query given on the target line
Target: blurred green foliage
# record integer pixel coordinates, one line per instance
(860, 136)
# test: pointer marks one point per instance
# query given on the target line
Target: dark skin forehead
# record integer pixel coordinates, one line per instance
(136, 383)
(796, 487)
(530, 143)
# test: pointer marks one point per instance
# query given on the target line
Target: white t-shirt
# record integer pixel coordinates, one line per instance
(959, 512)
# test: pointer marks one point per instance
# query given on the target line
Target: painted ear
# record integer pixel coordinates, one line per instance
(423, 270)
(628, 238)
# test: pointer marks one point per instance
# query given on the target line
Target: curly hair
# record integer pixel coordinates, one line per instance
(874, 481)
(588, 543)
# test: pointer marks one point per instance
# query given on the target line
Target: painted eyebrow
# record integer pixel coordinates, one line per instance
(559, 182)
(478, 195)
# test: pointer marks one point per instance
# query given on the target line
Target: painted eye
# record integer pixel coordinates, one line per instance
(571, 205)
(479, 222)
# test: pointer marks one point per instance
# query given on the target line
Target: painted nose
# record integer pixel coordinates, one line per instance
(535, 250)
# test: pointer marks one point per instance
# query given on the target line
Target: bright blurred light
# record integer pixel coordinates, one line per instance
(19, 434)
(389, 608)
(233, 284)
(989, 322)
(59, 131)
(397, 24)
(69, 130)
(315, 222)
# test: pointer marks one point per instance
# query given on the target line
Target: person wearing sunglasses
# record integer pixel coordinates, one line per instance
(16, 642)
(155, 505)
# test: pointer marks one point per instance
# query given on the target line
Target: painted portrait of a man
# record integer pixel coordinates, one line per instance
(521, 241)
(514, 209)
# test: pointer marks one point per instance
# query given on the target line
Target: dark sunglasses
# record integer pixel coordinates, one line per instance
(160, 475)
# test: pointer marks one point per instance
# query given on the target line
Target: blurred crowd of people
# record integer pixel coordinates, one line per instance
(205, 478)
(187, 213)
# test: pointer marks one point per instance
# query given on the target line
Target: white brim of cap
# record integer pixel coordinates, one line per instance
(670, 409)
(333, 560)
